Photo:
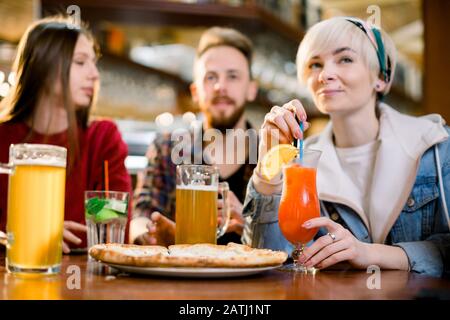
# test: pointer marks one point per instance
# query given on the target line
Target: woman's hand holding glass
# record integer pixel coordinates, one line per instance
(337, 246)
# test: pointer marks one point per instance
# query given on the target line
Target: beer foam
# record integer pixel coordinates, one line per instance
(37, 155)
(198, 187)
(50, 162)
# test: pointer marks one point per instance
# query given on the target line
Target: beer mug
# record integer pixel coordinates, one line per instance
(35, 214)
(197, 205)
(32, 287)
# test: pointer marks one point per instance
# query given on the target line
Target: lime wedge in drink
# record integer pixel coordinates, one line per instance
(106, 214)
(116, 205)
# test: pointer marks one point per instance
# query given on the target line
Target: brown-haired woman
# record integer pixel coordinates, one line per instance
(57, 81)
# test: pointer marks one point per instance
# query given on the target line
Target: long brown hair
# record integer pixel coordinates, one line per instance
(44, 58)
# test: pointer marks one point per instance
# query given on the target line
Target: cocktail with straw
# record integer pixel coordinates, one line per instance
(106, 214)
(299, 203)
(299, 200)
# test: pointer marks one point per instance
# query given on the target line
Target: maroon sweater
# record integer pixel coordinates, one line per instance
(99, 142)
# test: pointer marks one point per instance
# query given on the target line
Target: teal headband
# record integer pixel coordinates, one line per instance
(385, 68)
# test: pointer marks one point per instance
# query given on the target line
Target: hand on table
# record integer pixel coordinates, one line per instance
(325, 251)
(69, 237)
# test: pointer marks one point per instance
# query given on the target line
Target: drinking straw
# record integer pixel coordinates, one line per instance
(106, 175)
(300, 143)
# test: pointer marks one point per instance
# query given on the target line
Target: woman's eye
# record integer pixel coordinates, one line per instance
(78, 62)
(346, 60)
(314, 65)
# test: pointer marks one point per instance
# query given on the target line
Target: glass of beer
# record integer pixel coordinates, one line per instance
(33, 287)
(35, 211)
(200, 198)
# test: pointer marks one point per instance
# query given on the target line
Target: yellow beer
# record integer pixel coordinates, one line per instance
(35, 216)
(196, 214)
(33, 287)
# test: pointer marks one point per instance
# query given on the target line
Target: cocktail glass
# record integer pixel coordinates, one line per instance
(299, 203)
(106, 216)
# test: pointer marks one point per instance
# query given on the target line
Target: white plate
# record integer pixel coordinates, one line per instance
(193, 272)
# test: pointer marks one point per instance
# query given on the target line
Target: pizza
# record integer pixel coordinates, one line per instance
(187, 255)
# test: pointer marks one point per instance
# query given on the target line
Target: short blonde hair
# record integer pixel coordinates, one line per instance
(324, 36)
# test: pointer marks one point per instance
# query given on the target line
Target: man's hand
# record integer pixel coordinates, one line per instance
(160, 231)
(236, 219)
(236, 223)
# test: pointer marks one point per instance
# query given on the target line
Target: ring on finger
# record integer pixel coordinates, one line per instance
(332, 236)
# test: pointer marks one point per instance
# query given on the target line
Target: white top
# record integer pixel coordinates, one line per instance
(358, 164)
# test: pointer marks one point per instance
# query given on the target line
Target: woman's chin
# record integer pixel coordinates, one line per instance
(334, 104)
(83, 103)
(328, 108)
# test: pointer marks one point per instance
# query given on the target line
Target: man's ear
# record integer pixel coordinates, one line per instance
(193, 88)
(252, 90)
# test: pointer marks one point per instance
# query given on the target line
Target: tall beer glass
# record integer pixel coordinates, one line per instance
(198, 205)
(35, 214)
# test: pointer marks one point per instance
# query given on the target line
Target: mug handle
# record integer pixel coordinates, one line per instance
(6, 168)
(3, 239)
(224, 211)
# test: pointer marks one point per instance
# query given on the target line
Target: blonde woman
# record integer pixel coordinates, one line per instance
(383, 178)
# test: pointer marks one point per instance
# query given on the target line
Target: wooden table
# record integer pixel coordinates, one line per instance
(83, 279)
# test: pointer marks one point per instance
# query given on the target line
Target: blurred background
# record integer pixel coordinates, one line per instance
(148, 49)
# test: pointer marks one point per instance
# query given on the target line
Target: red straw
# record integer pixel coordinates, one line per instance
(106, 176)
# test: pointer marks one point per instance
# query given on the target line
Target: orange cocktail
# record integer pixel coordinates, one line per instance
(299, 203)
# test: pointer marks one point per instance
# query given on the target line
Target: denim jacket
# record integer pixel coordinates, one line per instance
(421, 229)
